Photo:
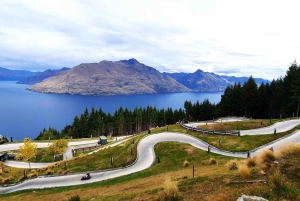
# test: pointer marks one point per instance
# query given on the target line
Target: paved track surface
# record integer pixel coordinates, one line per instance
(146, 157)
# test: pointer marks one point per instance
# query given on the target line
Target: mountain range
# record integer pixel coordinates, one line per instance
(205, 81)
(40, 76)
(7, 74)
(122, 77)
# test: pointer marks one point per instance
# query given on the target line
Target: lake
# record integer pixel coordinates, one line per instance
(24, 113)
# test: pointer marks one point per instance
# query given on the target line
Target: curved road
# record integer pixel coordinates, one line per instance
(145, 159)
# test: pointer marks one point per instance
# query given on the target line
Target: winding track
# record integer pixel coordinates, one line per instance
(146, 157)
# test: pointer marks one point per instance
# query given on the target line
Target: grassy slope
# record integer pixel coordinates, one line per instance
(210, 182)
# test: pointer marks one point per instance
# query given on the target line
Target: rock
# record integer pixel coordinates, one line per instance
(250, 198)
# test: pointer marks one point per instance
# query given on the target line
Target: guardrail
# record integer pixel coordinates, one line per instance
(213, 132)
(82, 149)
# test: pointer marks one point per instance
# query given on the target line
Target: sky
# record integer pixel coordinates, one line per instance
(235, 38)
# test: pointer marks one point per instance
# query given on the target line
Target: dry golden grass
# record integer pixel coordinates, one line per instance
(49, 172)
(265, 158)
(292, 149)
(186, 163)
(170, 191)
(251, 162)
(232, 164)
(21, 178)
(244, 170)
(32, 174)
(275, 180)
(5, 179)
(227, 181)
(212, 161)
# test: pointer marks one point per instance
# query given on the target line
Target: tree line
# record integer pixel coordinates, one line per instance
(277, 99)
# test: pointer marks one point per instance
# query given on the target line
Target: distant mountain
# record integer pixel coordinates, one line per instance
(205, 81)
(7, 74)
(242, 80)
(110, 78)
(39, 77)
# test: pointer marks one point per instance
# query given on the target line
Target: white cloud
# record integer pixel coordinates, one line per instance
(236, 37)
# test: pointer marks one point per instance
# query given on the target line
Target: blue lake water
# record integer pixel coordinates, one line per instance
(25, 114)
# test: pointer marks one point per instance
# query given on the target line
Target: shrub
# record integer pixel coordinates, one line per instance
(212, 161)
(170, 191)
(232, 165)
(59, 172)
(244, 170)
(186, 163)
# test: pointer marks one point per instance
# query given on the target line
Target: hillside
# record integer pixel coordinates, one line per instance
(39, 77)
(7, 74)
(110, 78)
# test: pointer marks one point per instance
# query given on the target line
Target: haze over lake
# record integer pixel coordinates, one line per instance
(25, 114)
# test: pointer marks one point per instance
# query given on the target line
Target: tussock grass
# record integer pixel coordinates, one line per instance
(275, 180)
(251, 162)
(170, 191)
(244, 170)
(32, 174)
(186, 163)
(290, 150)
(232, 164)
(49, 172)
(5, 179)
(21, 178)
(265, 158)
(212, 161)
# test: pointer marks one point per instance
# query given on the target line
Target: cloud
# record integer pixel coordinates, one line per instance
(233, 37)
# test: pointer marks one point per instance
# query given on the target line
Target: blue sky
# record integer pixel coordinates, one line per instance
(239, 38)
